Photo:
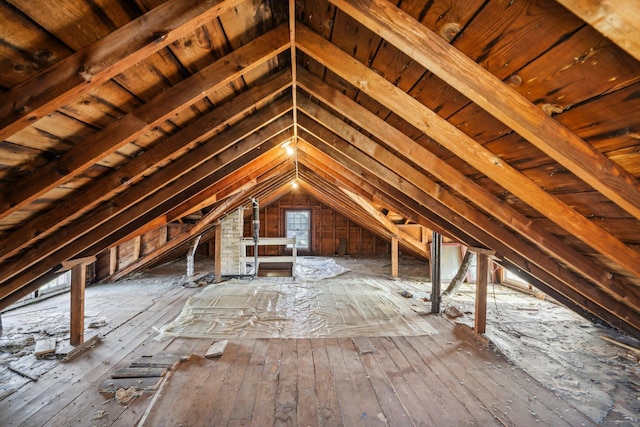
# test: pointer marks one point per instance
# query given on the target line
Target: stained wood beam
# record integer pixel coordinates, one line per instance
(100, 61)
(134, 124)
(497, 98)
(104, 188)
(78, 281)
(466, 148)
(480, 315)
(199, 164)
(616, 20)
(247, 175)
(442, 170)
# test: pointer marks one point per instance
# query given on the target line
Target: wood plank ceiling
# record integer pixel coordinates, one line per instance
(512, 125)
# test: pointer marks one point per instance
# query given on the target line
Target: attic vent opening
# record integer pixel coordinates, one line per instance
(298, 224)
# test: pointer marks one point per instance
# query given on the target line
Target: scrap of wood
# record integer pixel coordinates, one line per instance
(160, 360)
(363, 345)
(68, 352)
(45, 346)
(111, 385)
(143, 419)
(23, 373)
(216, 349)
(620, 344)
(138, 372)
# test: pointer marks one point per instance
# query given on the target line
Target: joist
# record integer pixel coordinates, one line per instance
(616, 20)
(466, 148)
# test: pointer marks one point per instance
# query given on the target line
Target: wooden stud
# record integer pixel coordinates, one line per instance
(394, 256)
(113, 260)
(436, 263)
(482, 270)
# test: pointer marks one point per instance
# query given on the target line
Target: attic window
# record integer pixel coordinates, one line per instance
(297, 224)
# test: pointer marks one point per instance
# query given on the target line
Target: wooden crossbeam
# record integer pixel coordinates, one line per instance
(501, 101)
(466, 148)
(134, 124)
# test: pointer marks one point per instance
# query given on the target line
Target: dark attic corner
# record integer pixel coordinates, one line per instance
(245, 212)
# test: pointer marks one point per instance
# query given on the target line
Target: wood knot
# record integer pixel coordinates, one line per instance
(449, 30)
(551, 109)
(514, 80)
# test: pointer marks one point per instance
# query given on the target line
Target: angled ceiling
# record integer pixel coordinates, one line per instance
(507, 125)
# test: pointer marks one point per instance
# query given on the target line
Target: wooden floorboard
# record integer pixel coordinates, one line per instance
(449, 378)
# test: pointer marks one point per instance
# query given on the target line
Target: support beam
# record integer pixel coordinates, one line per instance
(113, 259)
(394, 256)
(498, 99)
(100, 61)
(78, 278)
(482, 270)
(191, 254)
(465, 147)
(616, 20)
(134, 124)
(436, 263)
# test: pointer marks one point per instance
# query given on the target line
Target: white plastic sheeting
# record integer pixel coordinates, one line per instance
(344, 306)
(315, 268)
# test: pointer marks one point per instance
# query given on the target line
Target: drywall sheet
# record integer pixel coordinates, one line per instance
(274, 308)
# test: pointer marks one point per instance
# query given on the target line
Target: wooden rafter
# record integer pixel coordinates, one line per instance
(617, 20)
(111, 220)
(443, 171)
(497, 98)
(90, 67)
(129, 127)
(104, 188)
(466, 148)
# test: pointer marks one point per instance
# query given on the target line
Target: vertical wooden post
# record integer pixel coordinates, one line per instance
(218, 254)
(394, 256)
(113, 260)
(78, 277)
(482, 268)
(436, 246)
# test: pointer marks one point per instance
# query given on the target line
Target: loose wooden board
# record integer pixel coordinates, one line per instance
(160, 360)
(45, 346)
(111, 385)
(216, 349)
(139, 372)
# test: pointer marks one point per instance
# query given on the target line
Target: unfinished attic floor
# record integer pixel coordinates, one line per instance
(446, 378)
